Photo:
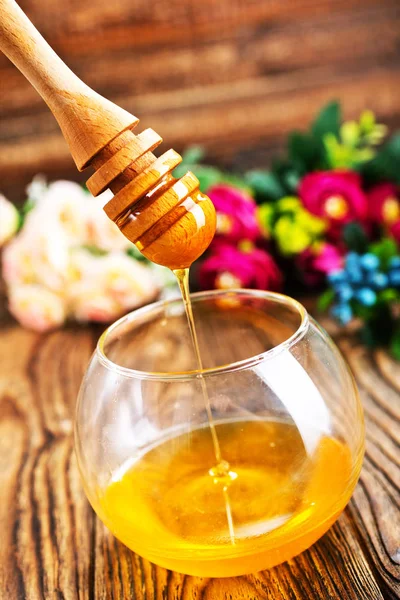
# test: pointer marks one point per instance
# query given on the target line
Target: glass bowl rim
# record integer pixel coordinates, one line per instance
(227, 368)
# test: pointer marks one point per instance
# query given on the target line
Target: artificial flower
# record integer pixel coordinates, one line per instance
(384, 204)
(245, 266)
(336, 196)
(103, 287)
(62, 207)
(356, 141)
(395, 231)
(91, 304)
(36, 308)
(290, 224)
(9, 220)
(236, 213)
(37, 257)
(69, 250)
(358, 282)
(317, 261)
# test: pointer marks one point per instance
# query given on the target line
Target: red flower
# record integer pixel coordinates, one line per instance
(244, 267)
(236, 213)
(395, 231)
(317, 261)
(384, 204)
(336, 196)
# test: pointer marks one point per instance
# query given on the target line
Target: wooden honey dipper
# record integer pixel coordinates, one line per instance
(170, 221)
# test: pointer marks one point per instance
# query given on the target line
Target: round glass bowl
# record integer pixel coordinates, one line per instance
(287, 419)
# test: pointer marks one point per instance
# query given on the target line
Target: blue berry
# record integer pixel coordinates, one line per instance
(352, 259)
(354, 274)
(394, 262)
(394, 277)
(366, 296)
(342, 312)
(369, 262)
(378, 280)
(344, 292)
(337, 277)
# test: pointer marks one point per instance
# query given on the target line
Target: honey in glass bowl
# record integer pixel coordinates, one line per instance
(286, 415)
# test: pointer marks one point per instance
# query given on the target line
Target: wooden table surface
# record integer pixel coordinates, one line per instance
(52, 546)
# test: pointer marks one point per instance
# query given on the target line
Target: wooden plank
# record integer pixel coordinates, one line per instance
(175, 22)
(260, 110)
(56, 548)
(372, 35)
(375, 508)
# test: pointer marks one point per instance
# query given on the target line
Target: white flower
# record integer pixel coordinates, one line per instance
(37, 188)
(17, 264)
(36, 308)
(40, 257)
(90, 303)
(101, 231)
(9, 220)
(104, 287)
(50, 261)
(128, 281)
(63, 207)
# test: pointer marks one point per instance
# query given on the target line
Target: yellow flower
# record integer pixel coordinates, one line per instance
(310, 223)
(265, 216)
(291, 237)
(287, 203)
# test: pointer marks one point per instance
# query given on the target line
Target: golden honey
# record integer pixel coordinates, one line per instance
(167, 505)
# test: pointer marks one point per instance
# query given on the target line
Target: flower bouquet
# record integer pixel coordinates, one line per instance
(324, 219)
(64, 259)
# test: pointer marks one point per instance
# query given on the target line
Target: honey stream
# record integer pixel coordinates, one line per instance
(221, 472)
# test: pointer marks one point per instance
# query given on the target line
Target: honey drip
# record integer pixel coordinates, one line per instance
(220, 472)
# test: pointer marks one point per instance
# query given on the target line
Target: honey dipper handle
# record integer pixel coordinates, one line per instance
(88, 121)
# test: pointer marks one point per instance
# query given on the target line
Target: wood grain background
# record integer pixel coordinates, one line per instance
(234, 75)
(52, 546)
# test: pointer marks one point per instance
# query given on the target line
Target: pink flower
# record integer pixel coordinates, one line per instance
(106, 287)
(336, 196)
(244, 267)
(317, 261)
(395, 231)
(236, 213)
(384, 204)
(93, 305)
(36, 308)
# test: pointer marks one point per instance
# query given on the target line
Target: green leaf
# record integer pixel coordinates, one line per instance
(193, 155)
(395, 343)
(384, 250)
(304, 150)
(208, 176)
(355, 237)
(367, 121)
(236, 181)
(133, 252)
(28, 206)
(265, 184)
(379, 325)
(95, 250)
(385, 165)
(350, 133)
(328, 121)
(325, 300)
(388, 296)
(363, 312)
(292, 179)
